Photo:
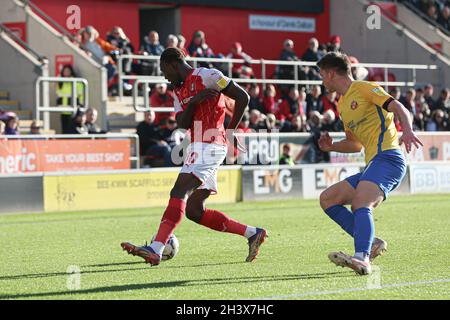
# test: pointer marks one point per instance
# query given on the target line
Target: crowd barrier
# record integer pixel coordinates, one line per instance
(62, 192)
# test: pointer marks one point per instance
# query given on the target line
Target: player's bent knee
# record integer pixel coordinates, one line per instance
(194, 213)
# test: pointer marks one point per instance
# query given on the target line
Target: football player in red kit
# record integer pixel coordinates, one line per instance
(198, 108)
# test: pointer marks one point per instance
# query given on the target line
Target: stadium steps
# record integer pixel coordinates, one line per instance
(4, 95)
(121, 115)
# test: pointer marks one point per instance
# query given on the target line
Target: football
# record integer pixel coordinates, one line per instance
(171, 248)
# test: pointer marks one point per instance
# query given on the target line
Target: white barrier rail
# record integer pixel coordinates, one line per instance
(47, 107)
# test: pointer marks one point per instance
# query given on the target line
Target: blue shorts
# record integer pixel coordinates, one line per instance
(387, 170)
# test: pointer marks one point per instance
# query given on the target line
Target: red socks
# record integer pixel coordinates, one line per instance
(171, 218)
(220, 222)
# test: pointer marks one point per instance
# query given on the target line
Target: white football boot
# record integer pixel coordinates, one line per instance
(344, 260)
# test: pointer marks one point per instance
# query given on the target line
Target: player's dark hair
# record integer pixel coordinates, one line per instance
(337, 61)
(171, 55)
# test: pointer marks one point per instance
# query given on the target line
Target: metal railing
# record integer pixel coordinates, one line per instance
(134, 147)
(264, 81)
(46, 107)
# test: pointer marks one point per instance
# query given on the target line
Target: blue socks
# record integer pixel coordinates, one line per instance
(359, 225)
(343, 217)
(364, 230)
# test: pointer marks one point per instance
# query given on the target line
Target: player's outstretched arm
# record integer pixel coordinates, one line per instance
(241, 98)
(408, 137)
(349, 145)
(184, 118)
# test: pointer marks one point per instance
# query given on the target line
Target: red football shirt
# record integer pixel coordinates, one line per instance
(207, 125)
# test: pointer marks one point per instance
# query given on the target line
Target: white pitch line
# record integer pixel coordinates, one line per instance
(320, 293)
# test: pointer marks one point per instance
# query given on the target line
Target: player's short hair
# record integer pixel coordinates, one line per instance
(337, 61)
(171, 55)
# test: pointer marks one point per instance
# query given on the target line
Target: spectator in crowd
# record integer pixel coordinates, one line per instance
(12, 125)
(256, 121)
(409, 100)
(297, 124)
(432, 12)
(438, 122)
(162, 98)
(91, 119)
(151, 47)
(99, 49)
(172, 41)
(396, 93)
(167, 130)
(199, 48)
(314, 101)
(118, 39)
(334, 44)
(271, 122)
(255, 98)
(358, 73)
(428, 95)
(286, 157)
(64, 96)
(78, 124)
(240, 70)
(286, 71)
(444, 17)
(311, 153)
(329, 101)
(181, 44)
(330, 122)
(151, 142)
(423, 112)
(269, 102)
(151, 44)
(443, 103)
(312, 54)
(35, 128)
(291, 106)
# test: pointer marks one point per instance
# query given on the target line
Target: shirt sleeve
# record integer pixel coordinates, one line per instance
(377, 95)
(214, 79)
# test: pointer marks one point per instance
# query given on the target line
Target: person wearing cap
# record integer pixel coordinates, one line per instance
(335, 44)
(161, 98)
(240, 70)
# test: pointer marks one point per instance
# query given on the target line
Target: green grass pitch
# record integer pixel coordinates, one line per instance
(38, 249)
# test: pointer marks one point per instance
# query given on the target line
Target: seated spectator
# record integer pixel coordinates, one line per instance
(312, 54)
(34, 128)
(329, 101)
(291, 106)
(444, 17)
(443, 103)
(311, 152)
(151, 47)
(172, 41)
(438, 122)
(150, 140)
(181, 44)
(286, 157)
(118, 39)
(409, 101)
(432, 11)
(335, 44)
(78, 124)
(330, 123)
(12, 125)
(423, 112)
(269, 103)
(256, 121)
(287, 54)
(271, 122)
(198, 48)
(91, 119)
(64, 96)
(297, 124)
(161, 98)
(396, 93)
(167, 132)
(99, 49)
(240, 70)
(313, 101)
(255, 99)
(358, 73)
(428, 96)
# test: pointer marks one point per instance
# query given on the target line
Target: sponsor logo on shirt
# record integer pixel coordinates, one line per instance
(354, 105)
(222, 83)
